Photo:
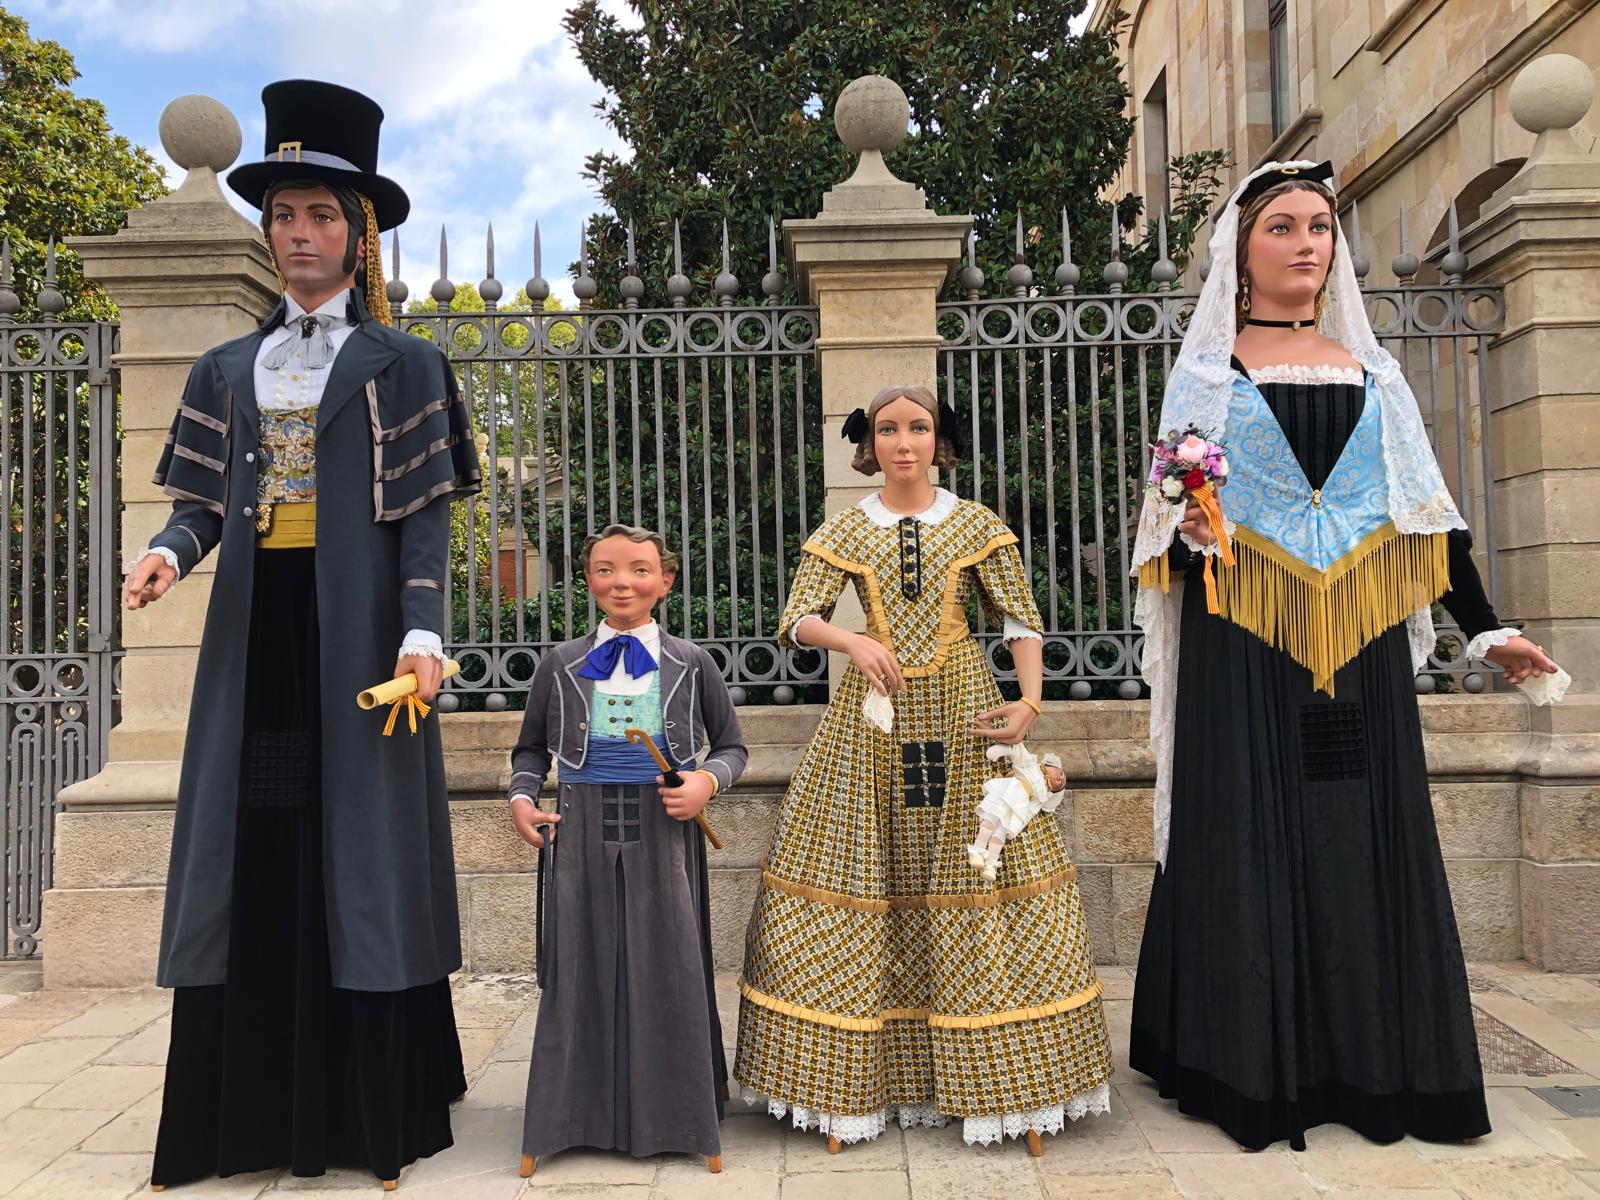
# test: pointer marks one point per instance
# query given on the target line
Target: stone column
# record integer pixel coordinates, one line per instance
(187, 272)
(874, 262)
(1539, 238)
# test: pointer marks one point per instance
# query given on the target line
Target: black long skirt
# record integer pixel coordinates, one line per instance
(1301, 963)
(277, 1067)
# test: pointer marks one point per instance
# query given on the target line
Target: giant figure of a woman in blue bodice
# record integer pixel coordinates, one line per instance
(1301, 963)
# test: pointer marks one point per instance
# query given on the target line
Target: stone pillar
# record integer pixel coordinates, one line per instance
(1539, 238)
(874, 262)
(187, 272)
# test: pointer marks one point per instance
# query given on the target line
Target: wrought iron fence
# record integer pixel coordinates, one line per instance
(1059, 394)
(58, 577)
(701, 422)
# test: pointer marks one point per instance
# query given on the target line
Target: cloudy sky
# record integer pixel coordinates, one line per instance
(489, 114)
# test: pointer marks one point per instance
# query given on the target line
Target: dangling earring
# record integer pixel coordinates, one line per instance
(1244, 292)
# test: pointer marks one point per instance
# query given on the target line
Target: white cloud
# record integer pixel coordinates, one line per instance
(488, 113)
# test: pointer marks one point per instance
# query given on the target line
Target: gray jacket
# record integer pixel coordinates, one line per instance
(383, 543)
(697, 715)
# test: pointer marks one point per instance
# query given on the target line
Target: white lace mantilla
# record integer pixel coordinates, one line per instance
(1298, 373)
(981, 1131)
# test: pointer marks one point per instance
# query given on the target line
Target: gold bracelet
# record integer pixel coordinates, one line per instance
(715, 785)
(1037, 711)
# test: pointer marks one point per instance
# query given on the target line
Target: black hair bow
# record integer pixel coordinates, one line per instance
(856, 426)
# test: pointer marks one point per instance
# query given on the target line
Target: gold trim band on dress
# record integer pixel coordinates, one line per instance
(817, 1016)
(1022, 891)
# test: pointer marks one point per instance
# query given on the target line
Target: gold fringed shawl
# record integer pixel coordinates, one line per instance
(1322, 619)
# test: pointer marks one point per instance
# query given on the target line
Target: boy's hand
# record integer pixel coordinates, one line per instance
(527, 817)
(689, 801)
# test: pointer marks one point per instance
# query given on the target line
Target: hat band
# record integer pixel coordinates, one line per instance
(314, 158)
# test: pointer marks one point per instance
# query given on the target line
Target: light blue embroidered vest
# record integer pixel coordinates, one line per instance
(1319, 572)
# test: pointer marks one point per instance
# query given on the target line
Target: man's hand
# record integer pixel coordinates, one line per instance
(428, 670)
(527, 817)
(689, 801)
(149, 580)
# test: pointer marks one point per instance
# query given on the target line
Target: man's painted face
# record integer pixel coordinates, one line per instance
(626, 579)
(310, 238)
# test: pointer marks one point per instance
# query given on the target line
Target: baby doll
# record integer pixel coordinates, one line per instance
(1008, 804)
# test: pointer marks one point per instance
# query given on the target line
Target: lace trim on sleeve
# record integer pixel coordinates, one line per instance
(1488, 640)
(172, 559)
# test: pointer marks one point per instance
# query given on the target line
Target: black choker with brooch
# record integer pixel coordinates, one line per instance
(1303, 323)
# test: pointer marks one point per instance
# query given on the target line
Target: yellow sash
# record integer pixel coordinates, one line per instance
(294, 527)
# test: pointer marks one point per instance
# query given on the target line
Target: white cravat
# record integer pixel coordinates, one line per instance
(295, 385)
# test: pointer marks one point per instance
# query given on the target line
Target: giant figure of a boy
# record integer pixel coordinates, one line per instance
(311, 923)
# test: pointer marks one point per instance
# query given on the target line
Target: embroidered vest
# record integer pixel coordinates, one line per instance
(1320, 572)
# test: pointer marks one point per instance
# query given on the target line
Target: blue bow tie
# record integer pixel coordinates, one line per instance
(601, 662)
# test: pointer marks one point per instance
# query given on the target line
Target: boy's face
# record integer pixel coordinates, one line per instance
(1055, 778)
(626, 579)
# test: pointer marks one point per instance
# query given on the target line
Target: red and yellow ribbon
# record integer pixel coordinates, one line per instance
(415, 709)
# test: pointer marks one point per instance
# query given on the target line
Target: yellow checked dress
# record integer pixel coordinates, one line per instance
(884, 978)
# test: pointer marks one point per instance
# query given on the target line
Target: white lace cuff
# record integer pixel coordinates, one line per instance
(422, 643)
(1488, 640)
(172, 559)
(1015, 631)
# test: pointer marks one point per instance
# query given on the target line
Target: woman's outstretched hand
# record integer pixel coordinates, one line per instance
(1018, 717)
(1520, 659)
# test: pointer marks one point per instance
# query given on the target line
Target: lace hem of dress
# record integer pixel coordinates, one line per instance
(980, 1131)
(1488, 640)
(1298, 373)
(944, 503)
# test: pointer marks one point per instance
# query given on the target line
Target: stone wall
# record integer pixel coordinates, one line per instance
(103, 916)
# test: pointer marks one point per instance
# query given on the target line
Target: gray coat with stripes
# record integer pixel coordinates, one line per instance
(394, 447)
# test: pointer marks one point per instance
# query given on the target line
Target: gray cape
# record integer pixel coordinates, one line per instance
(393, 447)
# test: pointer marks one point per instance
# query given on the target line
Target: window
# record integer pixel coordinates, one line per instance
(1153, 117)
(1278, 51)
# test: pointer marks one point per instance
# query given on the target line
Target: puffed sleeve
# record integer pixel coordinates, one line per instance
(816, 588)
(1004, 592)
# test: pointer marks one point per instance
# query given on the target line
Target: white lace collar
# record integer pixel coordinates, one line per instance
(1296, 373)
(944, 503)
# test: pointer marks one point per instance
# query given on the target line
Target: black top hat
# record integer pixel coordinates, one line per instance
(326, 134)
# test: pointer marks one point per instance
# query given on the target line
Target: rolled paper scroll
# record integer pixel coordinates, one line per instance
(391, 690)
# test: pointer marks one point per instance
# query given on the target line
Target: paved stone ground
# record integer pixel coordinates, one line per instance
(80, 1094)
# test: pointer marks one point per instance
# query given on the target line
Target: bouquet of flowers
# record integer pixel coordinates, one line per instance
(1191, 464)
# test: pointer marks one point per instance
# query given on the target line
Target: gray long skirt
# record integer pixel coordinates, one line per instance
(628, 1053)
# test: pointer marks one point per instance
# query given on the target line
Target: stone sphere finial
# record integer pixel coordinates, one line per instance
(197, 131)
(1553, 91)
(872, 113)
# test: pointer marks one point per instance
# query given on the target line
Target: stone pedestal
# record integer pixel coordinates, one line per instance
(187, 272)
(874, 262)
(1539, 238)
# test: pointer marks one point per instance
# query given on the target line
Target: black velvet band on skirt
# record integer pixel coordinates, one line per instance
(1301, 962)
(276, 1067)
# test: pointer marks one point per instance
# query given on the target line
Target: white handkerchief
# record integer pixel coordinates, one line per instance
(1546, 689)
(878, 710)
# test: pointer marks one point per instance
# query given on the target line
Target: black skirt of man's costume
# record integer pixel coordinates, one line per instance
(276, 1067)
(1301, 963)
(627, 1052)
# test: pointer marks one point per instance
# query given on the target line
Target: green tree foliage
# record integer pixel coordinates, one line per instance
(727, 107)
(63, 173)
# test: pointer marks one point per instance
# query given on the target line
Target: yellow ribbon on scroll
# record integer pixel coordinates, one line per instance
(401, 693)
